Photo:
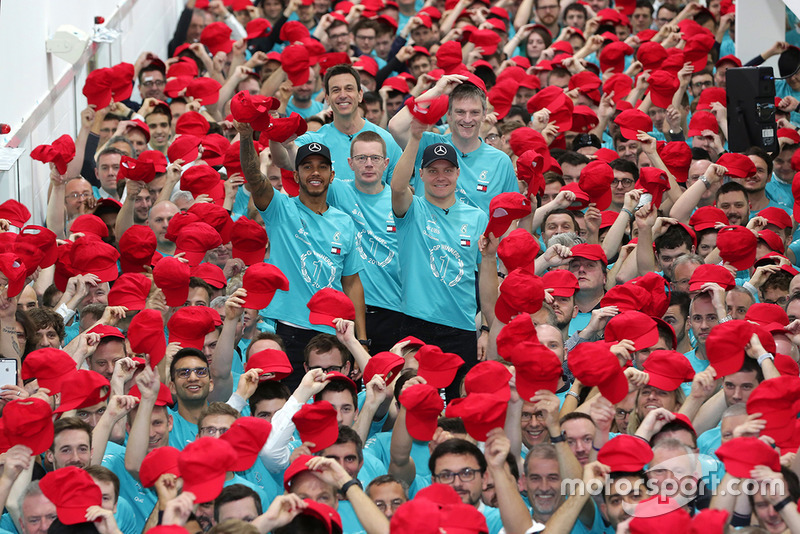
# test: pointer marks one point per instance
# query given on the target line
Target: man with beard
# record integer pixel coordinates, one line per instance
(72, 444)
(732, 198)
(307, 228)
(301, 102)
(562, 285)
(343, 91)
(546, 13)
(756, 185)
(779, 189)
(677, 316)
(191, 384)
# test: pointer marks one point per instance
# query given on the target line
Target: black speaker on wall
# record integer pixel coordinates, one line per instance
(751, 109)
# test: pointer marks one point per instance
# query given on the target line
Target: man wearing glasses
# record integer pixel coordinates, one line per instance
(152, 82)
(191, 383)
(369, 203)
(546, 12)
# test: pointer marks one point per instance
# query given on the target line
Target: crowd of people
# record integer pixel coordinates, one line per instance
(452, 266)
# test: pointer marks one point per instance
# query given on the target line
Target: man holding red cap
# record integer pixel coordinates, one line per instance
(312, 243)
(588, 264)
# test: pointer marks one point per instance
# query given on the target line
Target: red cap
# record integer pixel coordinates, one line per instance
(772, 240)
(436, 367)
(697, 49)
(582, 199)
(742, 455)
(663, 86)
(486, 40)
(253, 109)
(711, 273)
(786, 365)
(584, 119)
(702, 121)
(384, 364)
(189, 326)
(659, 514)
(176, 224)
(606, 154)
(217, 37)
(520, 329)
(589, 252)
(557, 102)
(626, 454)
(89, 224)
(90, 255)
(249, 241)
(631, 121)
(211, 274)
(595, 180)
(537, 367)
(657, 303)
(247, 435)
(766, 314)
(620, 84)
(635, 326)
(562, 282)
(729, 58)
(164, 397)
(258, 28)
(146, 335)
(270, 361)
(40, 238)
(776, 216)
(738, 165)
(172, 277)
(517, 249)
(192, 123)
(184, 147)
(130, 290)
(709, 520)
(530, 169)
(136, 248)
(205, 90)
(677, 156)
(595, 365)
(423, 406)
(725, 346)
(587, 83)
(707, 217)
(282, 129)
(612, 56)
(366, 64)
(520, 291)
(195, 240)
(654, 181)
(294, 31)
(668, 369)
(50, 367)
(418, 516)
(328, 516)
(488, 377)
(296, 63)
(316, 422)
(159, 461)
(428, 111)
(215, 216)
(711, 95)
(299, 465)
(737, 246)
(84, 388)
(28, 422)
(651, 55)
(15, 212)
(200, 476)
(72, 490)
(448, 56)
(60, 153)
(13, 269)
(778, 401)
(328, 304)
(796, 193)
(480, 412)
(203, 179)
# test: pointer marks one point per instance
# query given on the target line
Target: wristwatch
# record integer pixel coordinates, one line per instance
(349, 484)
(558, 439)
(705, 181)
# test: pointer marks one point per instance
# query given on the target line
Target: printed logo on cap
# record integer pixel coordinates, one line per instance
(314, 147)
(440, 150)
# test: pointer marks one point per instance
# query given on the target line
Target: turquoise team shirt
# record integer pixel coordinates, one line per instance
(183, 432)
(339, 145)
(376, 241)
(314, 252)
(438, 259)
(313, 109)
(483, 173)
(140, 500)
(780, 192)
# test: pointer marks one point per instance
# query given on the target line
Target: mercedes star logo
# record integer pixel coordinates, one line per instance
(440, 150)
(314, 147)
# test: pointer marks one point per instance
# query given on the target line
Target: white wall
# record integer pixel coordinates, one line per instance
(41, 95)
(759, 23)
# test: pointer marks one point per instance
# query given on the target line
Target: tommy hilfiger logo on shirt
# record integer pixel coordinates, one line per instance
(336, 249)
(465, 242)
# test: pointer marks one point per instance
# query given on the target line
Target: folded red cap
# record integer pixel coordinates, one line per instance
(217, 37)
(537, 368)
(90, 255)
(697, 49)
(164, 397)
(742, 455)
(488, 377)
(702, 121)
(521, 328)
(249, 241)
(262, 280)
(158, 462)
(504, 209)
(778, 401)
(130, 290)
(184, 147)
(189, 326)
(247, 435)
(296, 63)
(557, 102)
(737, 246)
(786, 365)
(84, 388)
(520, 291)
(258, 28)
(595, 365)
(677, 156)
(423, 406)
(195, 240)
(215, 216)
(612, 56)
(501, 96)
(530, 169)
(651, 55)
(176, 87)
(589, 252)
(436, 367)
(316, 422)
(89, 224)
(659, 514)
(663, 86)
(328, 304)
(772, 240)
(14, 212)
(711, 273)
(725, 346)
(299, 465)
(172, 276)
(28, 422)
(595, 180)
(486, 40)
(668, 369)
(635, 326)
(480, 412)
(626, 454)
(707, 217)
(146, 335)
(428, 111)
(654, 181)
(631, 121)
(211, 274)
(41, 239)
(620, 84)
(50, 367)
(517, 249)
(137, 246)
(192, 123)
(97, 88)
(562, 282)
(283, 128)
(448, 56)
(366, 64)
(270, 361)
(737, 165)
(72, 490)
(203, 179)
(584, 119)
(200, 476)
(384, 364)
(587, 83)
(582, 199)
(133, 169)
(12, 267)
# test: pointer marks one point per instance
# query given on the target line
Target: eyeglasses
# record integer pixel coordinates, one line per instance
(329, 369)
(186, 372)
(212, 431)
(702, 84)
(622, 414)
(344, 35)
(361, 159)
(492, 137)
(365, 37)
(549, 8)
(156, 83)
(627, 182)
(394, 504)
(527, 416)
(82, 196)
(465, 475)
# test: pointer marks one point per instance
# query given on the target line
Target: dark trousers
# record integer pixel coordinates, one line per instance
(449, 339)
(384, 328)
(295, 340)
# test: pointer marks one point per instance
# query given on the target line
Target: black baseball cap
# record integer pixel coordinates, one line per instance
(584, 140)
(439, 151)
(312, 149)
